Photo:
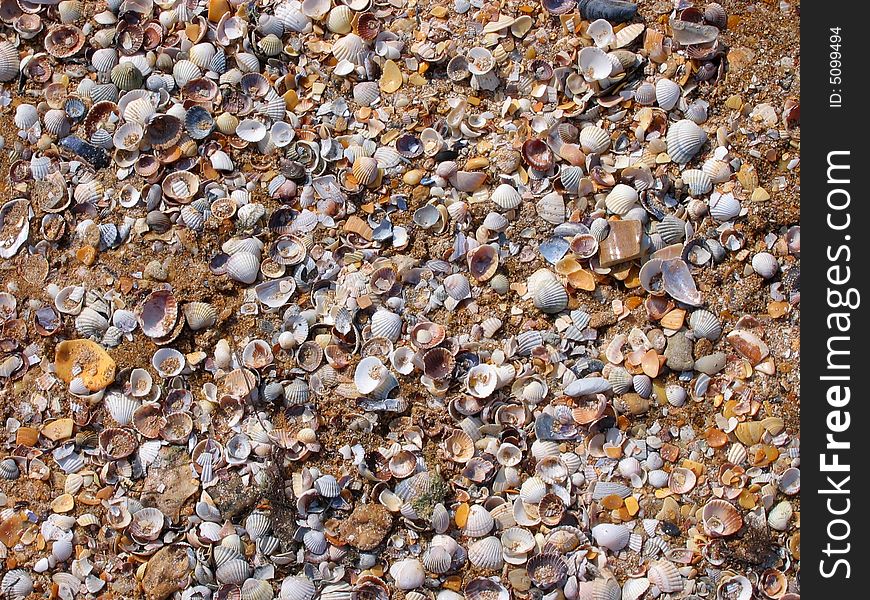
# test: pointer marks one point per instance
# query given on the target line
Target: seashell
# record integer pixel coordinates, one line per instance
(351, 48)
(468, 181)
(601, 32)
(621, 199)
(594, 139)
(168, 362)
(547, 570)
(437, 559)
(251, 130)
(705, 324)
(297, 587)
(26, 116)
(671, 229)
(16, 584)
(779, 516)
(372, 377)
(315, 542)
(459, 446)
(481, 380)
(721, 518)
(117, 443)
(366, 171)
(668, 93)
(533, 490)
(158, 314)
(9, 469)
(408, 574)
(719, 171)
(538, 155)
(724, 207)
(684, 140)
(664, 575)
(386, 324)
(256, 589)
(715, 15)
(243, 267)
(479, 522)
(91, 324)
(366, 93)
(645, 94)
(633, 589)
(9, 62)
(551, 208)
(234, 571)
(678, 283)
(340, 19)
(486, 554)
(257, 354)
(129, 135)
(765, 264)
(63, 41)
(611, 536)
(551, 297)
(594, 64)
(457, 286)
(506, 197)
(698, 181)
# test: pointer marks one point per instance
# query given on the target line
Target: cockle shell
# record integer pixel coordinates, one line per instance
(664, 575)
(486, 554)
(611, 536)
(684, 140)
(594, 139)
(667, 93)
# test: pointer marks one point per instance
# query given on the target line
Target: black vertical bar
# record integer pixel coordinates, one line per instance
(833, 357)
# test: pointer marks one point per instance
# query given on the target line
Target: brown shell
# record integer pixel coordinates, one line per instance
(538, 155)
(63, 41)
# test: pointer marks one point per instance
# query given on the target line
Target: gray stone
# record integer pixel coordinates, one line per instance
(711, 364)
(679, 353)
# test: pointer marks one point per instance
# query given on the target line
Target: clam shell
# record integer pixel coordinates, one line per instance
(26, 116)
(705, 324)
(340, 19)
(386, 324)
(684, 140)
(486, 554)
(645, 94)
(621, 199)
(506, 197)
(350, 47)
(698, 181)
(234, 571)
(667, 93)
(297, 587)
(594, 139)
(664, 575)
(724, 207)
(8, 62)
(243, 267)
(547, 570)
(16, 584)
(551, 297)
(611, 536)
(765, 264)
(479, 522)
(721, 518)
(719, 171)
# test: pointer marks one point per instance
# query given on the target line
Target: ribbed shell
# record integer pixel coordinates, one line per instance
(184, 71)
(667, 93)
(365, 170)
(386, 324)
(684, 140)
(199, 315)
(621, 380)
(243, 267)
(621, 199)
(486, 554)
(594, 139)
(125, 76)
(664, 575)
(551, 208)
(8, 61)
(698, 181)
(479, 522)
(340, 19)
(724, 207)
(551, 297)
(718, 170)
(765, 264)
(705, 325)
(645, 94)
(672, 229)
(351, 47)
(642, 384)
(505, 196)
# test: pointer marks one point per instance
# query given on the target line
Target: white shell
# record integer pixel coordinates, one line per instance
(16, 583)
(684, 140)
(251, 130)
(386, 324)
(532, 490)
(551, 208)
(351, 48)
(594, 64)
(667, 93)
(297, 587)
(724, 207)
(780, 515)
(486, 554)
(718, 170)
(621, 199)
(26, 116)
(664, 575)
(705, 324)
(481, 380)
(121, 407)
(183, 71)
(635, 588)
(168, 369)
(765, 264)
(601, 32)
(594, 139)
(408, 574)
(611, 536)
(243, 267)
(551, 297)
(479, 522)
(505, 196)
(234, 571)
(698, 181)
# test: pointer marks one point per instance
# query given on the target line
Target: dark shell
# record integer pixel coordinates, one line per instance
(538, 155)
(558, 7)
(95, 155)
(164, 130)
(615, 11)
(199, 123)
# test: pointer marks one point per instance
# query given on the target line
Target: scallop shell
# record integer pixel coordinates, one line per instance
(386, 324)
(297, 587)
(684, 140)
(705, 324)
(645, 94)
(340, 19)
(551, 208)
(26, 116)
(506, 197)
(366, 93)
(547, 570)
(243, 267)
(621, 199)
(724, 207)
(765, 264)
(125, 76)
(350, 47)
(8, 61)
(234, 571)
(594, 63)
(721, 518)
(611, 536)
(551, 297)
(486, 554)
(667, 93)
(479, 522)
(698, 181)
(366, 170)
(16, 584)
(594, 139)
(665, 576)
(719, 171)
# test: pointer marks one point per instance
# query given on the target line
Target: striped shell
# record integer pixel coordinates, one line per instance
(667, 93)
(199, 315)
(8, 61)
(719, 171)
(506, 197)
(340, 19)
(705, 324)
(479, 522)
(684, 140)
(486, 554)
(594, 139)
(765, 264)
(351, 48)
(665, 576)
(365, 170)
(243, 267)
(551, 297)
(645, 94)
(698, 181)
(724, 207)
(621, 199)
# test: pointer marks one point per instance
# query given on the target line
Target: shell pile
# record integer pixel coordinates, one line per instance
(372, 299)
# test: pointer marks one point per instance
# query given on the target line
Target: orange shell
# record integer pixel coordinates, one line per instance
(97, 367)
